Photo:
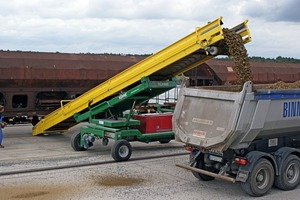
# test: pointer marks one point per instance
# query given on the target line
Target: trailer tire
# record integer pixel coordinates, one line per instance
(290, 174)
(75, 142)
(121, 150)
(260, 180)
(164, 141)
(201, 165)
(34, 121)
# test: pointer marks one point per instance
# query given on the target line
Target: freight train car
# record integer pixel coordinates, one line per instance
(32, 84)
(220, 72)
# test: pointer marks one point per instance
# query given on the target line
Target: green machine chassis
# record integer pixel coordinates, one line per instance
(107, 121)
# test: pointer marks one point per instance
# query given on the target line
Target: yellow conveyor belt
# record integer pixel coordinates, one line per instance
(185, 54)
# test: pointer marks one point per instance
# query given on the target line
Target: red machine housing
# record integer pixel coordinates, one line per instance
(154, 122)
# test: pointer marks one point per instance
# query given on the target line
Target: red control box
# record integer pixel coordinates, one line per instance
(154, 122)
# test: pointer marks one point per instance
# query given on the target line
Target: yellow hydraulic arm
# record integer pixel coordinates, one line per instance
(189, 52)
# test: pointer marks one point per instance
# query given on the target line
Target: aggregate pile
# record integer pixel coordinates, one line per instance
(282, 85)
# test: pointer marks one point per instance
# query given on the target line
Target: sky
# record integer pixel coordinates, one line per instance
(143, 26)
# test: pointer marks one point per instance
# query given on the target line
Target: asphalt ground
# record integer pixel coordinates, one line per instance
(134, 179)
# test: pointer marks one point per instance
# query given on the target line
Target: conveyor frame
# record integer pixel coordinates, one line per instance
(185, 54)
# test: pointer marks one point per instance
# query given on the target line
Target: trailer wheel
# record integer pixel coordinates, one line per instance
(260, 180)
(75, 142)
(121, 150)
(164, 141)
(290, 174)
(34, 121)
(201, 165)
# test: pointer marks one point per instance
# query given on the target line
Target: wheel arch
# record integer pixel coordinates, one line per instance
(252, 158)
(281, 155)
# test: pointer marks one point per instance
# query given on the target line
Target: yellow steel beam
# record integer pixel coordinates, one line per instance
(201, 38)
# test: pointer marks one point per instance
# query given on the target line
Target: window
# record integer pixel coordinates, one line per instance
(50, 100)
(19, 101)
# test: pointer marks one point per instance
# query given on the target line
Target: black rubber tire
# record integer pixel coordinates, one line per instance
(34, 121)
(290, 174)
(164, 141)
(75, 142)
(201, 165)
(264, 170)
(121, 150)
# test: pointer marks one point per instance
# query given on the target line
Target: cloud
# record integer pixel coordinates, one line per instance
(146, 9)
(141, 26)
(280, 10)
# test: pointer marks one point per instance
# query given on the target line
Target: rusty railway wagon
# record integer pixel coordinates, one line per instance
(32, 84)
(220, 72)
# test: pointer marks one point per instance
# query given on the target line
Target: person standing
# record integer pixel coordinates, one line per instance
(2, 125)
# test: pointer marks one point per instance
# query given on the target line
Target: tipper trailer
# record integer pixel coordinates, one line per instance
(251, 136)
